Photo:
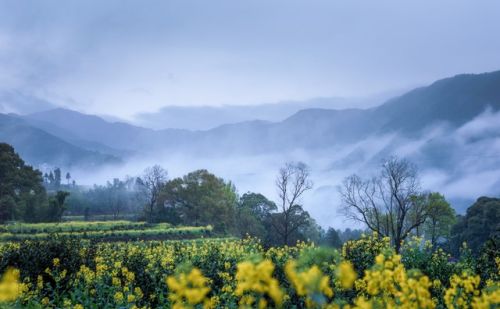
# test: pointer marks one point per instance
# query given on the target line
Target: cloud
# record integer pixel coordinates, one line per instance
(124, 57)
(485, 124)
(467, 172)
(93, 55)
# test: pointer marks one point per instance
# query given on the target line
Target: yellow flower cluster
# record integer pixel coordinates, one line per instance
(10, 288)
(464, 292)
(311, 283)
(346, 274)
(389, 284)
(240, 274)
(188, 290)
(255, 283)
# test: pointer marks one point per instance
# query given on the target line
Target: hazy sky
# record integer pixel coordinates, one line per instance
(122, 57)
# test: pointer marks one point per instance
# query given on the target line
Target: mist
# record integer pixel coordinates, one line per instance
(472, 170)
(241, 88)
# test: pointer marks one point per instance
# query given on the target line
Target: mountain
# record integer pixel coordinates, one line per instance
(73, 138)
(116, 135)
(454, 100)
(39, 147)
(21, 103)
(450, 102)
(209, 117)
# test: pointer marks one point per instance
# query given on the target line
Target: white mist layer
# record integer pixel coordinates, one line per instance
(470, 168)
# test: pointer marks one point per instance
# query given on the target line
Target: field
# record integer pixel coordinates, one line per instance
(103, 230)
(83, 272)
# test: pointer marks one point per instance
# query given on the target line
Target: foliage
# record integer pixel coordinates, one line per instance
(349, 234)
(440, 218)
(253, 215)
(361, 253)
(76, 226)
(153, 231)
(225, 274)
(56, 206)
(489, 260)
(22, 194)
(480, 223)
(198, 198)
(332, 238)
(433, 263)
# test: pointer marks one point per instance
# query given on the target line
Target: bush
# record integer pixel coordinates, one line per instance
(362, 252)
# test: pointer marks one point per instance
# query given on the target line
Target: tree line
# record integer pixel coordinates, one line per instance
(201, 198)
(392, 204)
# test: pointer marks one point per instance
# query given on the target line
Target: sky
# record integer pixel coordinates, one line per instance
(121, 58)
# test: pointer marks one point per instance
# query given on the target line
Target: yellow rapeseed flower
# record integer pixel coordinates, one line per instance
(311, 283)
(190, 289)
(10, 287)
(346, 274)
(257, 280)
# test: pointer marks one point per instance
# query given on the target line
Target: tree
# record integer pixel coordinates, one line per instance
(253, 214)
(291, 183)
(349, 234)
(7, 208)
(480, 223)
(51, 179)
(386, 204)
(57, 178)
(440, 218)
(56, 206)
(68, 177)
(258, 204)
(113, 197)
(298, 221)
(150, 185)
(118, 194)
(20, 185)
(199, 198)
(332, 238)
(311, 231)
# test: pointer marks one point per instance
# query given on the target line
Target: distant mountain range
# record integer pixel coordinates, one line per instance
(39, 147)
(19, 102)
(61, 136)
(209, 117)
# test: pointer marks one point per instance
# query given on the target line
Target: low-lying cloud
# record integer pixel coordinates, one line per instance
(471, 170)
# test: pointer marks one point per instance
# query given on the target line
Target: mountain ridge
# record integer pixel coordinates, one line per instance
(39, 147)
(452, 101)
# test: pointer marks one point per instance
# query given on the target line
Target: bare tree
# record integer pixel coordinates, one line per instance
(150, 185)
(387, 204)
(292, 181)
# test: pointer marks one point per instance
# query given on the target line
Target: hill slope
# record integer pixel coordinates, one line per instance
(39, 147)
(117, 135)
(453, 101)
